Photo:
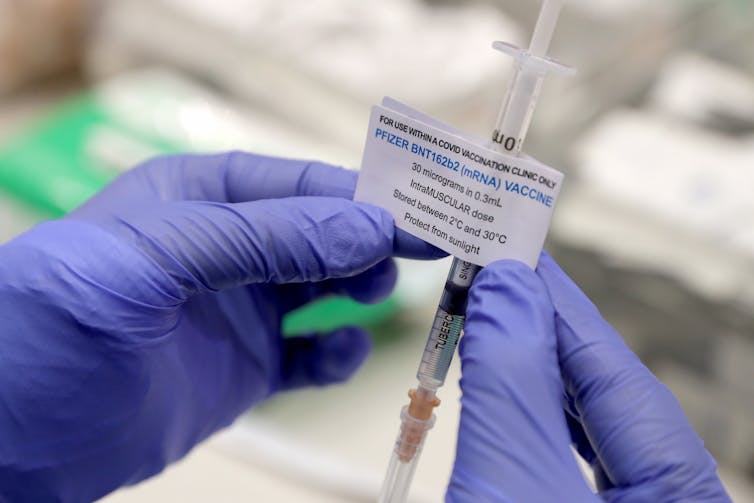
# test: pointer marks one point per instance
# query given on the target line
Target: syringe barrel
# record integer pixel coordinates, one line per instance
(447, 325)
(441, 344)
(518, 109)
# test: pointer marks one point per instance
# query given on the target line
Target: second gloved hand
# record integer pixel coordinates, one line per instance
(150, 317)
(534, 342)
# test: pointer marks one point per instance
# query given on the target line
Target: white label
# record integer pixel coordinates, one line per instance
(472, 202)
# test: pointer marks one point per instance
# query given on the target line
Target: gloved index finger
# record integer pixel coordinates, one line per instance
(639, 432)
(237, 177)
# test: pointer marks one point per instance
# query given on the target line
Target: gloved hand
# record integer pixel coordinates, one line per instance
(533, 339)
(150, 317)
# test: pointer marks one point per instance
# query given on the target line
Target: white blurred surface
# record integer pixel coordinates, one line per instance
(14, 218)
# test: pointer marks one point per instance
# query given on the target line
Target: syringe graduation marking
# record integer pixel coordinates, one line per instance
(441, 345)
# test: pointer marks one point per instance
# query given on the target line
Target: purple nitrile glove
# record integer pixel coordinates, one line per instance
(150, 317)
(533, 338)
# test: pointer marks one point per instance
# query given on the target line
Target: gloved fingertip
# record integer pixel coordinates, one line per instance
(564, 292)
(510, 322)
(373, 285)
(319, 360)
(310, 239)
(509, 280)
(404, 245)
(407, 246)
(340, 354)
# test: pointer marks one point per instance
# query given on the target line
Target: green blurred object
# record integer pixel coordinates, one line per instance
(54, 166)
(45, 167)
(328, 314)
(75, 151)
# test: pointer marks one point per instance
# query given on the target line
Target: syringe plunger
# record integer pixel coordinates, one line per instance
(545, 28)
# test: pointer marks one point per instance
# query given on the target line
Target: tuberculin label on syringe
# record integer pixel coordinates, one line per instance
(475, 203)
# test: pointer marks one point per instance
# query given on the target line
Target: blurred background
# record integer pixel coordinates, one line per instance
(664, 94)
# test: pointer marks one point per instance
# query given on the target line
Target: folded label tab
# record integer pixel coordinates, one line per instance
(468, 200)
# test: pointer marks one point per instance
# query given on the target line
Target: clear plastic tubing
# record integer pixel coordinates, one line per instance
(512, 125)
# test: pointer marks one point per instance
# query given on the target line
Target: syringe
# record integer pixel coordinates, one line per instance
(531, 66)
